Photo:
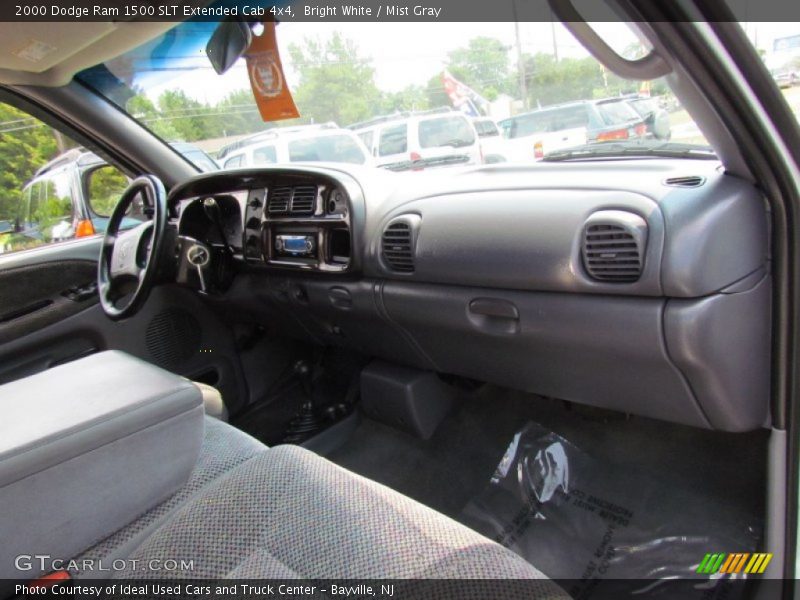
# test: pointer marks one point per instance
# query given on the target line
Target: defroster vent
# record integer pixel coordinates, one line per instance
(613, 246)
(685, 181)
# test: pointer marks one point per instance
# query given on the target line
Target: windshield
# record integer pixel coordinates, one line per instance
(613, 113)
(446, 131)
(485, 128)
(329, 148)
(534, 80)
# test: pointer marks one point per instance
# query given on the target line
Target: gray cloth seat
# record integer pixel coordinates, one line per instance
(224, 448)
(285, 512)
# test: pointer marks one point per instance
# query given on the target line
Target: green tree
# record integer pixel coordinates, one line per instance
(483, 65)
(412, 97)
(238, 114)
(336, 83)
(143, 109)
(550, 81)
(434, 90)
(188, 117)
(25, 145)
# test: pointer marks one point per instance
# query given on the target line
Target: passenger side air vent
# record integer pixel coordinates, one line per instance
(279, 198)
(304, 200)
(688, 181)
(397, 244)
(613, 246)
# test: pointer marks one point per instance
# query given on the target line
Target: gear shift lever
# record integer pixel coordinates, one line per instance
(303, 371)
(307, 422)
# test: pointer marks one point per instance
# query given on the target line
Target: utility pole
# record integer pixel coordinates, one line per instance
(523, 84)
(553, 35)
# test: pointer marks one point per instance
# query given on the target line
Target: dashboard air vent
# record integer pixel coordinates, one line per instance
(304, 200)
(397, 246)
(613, 246)
(688, 181)
(279, 200)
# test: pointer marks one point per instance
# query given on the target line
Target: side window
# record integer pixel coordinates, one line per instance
(486, 128)
(530, 124)
(42, 200)
(264, 155)
(393, 140)
(233, 162)
(572, 117)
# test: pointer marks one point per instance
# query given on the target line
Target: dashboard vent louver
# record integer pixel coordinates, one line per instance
(304, 200)
(688, 181)
(279, 198)
(613, 246)
(397, 246)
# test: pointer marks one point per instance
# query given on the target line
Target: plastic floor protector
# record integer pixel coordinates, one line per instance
(605, 531)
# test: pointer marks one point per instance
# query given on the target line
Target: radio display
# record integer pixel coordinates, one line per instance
(296, 245)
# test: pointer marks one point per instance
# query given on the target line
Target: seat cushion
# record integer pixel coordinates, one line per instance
(224, 448)
(288, 513)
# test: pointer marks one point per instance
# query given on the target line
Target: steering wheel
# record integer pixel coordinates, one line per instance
(128, 259)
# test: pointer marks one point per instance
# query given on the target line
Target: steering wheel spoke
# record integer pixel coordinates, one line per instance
(127, 265)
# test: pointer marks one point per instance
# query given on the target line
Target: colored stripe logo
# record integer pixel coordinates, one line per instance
(753, 564)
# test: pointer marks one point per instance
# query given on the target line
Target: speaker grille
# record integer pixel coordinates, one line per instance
(172, 337)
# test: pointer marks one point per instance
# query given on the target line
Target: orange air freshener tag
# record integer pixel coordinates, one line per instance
(272, 95)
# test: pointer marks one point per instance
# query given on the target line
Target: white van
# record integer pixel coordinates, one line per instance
(420, 140)
(305, 143)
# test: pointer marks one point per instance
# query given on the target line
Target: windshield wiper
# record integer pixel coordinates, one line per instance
(632, 149)
(456, 143)
(407, 165)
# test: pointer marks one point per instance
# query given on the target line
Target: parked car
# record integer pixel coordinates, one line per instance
(532, 135)
(785, 77)
(418, 140)
(55, 204)
(492, 143)
(72, 196)
(305, 143)
(196, 156)
(656, 119)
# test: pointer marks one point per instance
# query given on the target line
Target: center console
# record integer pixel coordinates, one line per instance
(299, 222)
(86, 448)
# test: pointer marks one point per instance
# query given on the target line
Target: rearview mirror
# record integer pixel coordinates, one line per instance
(230, 41)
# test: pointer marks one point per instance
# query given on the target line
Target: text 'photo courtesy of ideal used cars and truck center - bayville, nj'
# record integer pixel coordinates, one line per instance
(448, 299)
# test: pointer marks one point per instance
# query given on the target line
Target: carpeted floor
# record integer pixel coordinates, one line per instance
(452, 467)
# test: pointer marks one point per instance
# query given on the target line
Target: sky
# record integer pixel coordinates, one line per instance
(403, 54)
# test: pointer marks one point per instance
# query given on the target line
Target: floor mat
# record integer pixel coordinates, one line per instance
(599, 527)
(452, 467)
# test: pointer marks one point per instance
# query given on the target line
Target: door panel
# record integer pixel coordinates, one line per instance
(49, 313)
(33, 297)
(41, 326)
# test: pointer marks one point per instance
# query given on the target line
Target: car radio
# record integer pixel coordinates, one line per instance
(295, 245)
